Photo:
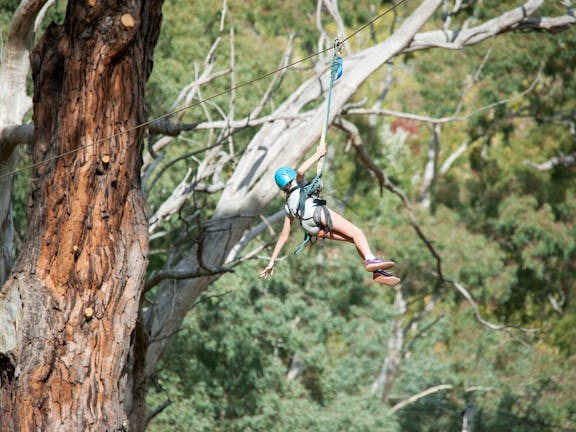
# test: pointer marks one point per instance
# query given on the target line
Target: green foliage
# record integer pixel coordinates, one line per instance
(241, 340)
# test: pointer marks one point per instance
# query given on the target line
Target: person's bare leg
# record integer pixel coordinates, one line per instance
(348, 230)
(339, 237)
(344, 230)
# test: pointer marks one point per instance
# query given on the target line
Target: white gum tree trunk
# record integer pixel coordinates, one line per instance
(14, 104)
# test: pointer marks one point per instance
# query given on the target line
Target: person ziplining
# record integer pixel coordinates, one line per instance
(303, 203)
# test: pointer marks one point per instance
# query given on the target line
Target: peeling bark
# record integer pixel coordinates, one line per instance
(81, 271)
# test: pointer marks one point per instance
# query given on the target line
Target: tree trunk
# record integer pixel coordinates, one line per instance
(74, 294)
(14, 104)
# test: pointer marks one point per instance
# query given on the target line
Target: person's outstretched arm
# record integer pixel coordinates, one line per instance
(320, 151)
(282, 239)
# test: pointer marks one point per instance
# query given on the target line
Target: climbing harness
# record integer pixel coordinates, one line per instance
(320, 205)
(311, 190)
(309, 210)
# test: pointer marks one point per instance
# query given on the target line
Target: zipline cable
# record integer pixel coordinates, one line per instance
(238, 86)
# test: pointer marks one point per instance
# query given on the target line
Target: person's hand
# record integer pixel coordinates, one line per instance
(321, 150)
(267, 272)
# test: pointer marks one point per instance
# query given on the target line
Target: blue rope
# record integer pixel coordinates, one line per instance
(336, 69)
(335, 72)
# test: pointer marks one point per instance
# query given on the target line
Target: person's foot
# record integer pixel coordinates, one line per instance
(385, 278)
(378, 264)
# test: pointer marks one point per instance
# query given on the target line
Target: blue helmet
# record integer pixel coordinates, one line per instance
(284, 175)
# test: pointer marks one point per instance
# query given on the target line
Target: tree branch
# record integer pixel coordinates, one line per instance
(276, 80)
(158, 277)
(391, 364)
(562, 160)
(446, 119)
(432, 390)
(158, 410)
(165, 127)
(386, 183)
(431, 167)
(11, 136)
(253, 233)
(420, 395)
(516, 19)
(466, 294)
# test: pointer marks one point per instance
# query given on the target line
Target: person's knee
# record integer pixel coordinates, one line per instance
(357, 232)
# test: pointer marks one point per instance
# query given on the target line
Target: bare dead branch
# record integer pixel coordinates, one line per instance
(171, 205)
(232, 100)
(276, 80)
(557, 304)
(164, 126)
(189, 92)
(432, 390)
(253, 233)
(24, 17)
(420, 395)
(397, 350)
(447, 164)
(430, 169)
(518, 19)
(466, 294)
(158, 410)
(169, 129)
(42, 14)
(332, 8)
(395, 354)
(562, 160)
(447, 119)
(430, 306)
(11, 136)
(389, 76)
(202, 171)
(242, 123)
(467, 87)
(323, 39)
(550, 25)
(158, 277)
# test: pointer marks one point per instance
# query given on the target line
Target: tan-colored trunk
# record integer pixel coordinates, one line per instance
(75, 291)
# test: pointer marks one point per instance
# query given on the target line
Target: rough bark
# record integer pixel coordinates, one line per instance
(73, 297)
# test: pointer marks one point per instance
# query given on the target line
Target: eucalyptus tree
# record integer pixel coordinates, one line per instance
(69, 308)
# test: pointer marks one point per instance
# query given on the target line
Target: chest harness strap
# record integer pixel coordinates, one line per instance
(310, 190)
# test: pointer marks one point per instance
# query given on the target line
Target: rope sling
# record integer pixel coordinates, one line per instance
(316, 183)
